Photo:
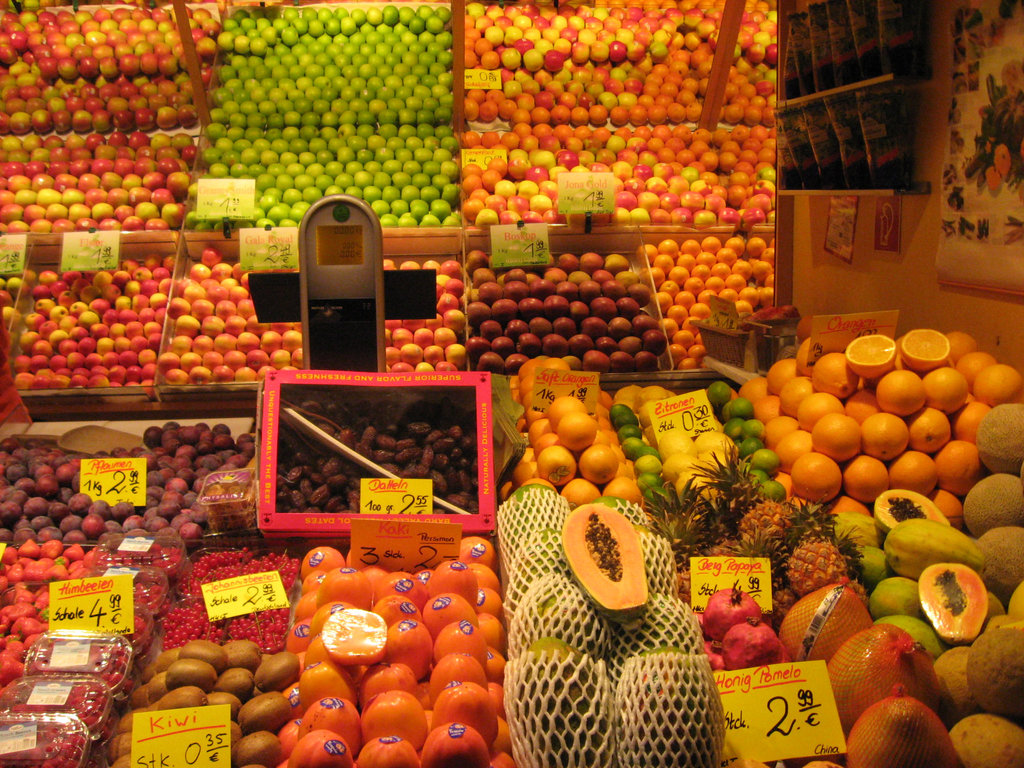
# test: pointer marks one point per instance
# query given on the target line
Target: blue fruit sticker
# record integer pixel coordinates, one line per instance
(456, 730)
(441, 603)
(335, 747)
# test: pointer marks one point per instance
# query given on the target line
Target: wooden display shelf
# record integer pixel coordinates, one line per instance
(920, 188)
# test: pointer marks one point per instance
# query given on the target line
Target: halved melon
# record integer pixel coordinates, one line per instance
(604, 552)
(954, 599)
(896, 505)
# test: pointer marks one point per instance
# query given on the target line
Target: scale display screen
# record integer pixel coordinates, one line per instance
(339, 245)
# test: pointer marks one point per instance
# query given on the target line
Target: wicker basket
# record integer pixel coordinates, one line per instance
(732, 347)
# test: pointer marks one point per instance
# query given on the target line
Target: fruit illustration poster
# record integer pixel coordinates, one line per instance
(982, 240)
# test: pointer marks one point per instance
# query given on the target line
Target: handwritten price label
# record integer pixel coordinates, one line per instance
(115, 480)
(549, 383)
(198, 737)
(780, 711)
(102, 604)
(218, 199)
(831, 333)
(406, 496)
(723, 313)
(404, 545)
(519, 246)
(261, 250)
(12, 254)
(710, 574)
(586, 192)
(690, 413)
(481, 156)
(486, 79)
(242, 595)
(90, 251)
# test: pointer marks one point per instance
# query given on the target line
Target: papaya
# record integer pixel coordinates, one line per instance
(895, 596)
(605, 554)
(896, 505)
(860, 528)
(913, 545)
(955, 601)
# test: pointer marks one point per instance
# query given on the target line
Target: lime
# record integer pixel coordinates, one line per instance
(719, 393)
(649, 480)
(648, 450)
(648, 464)
(742, 408)
(621, 414)
(766, 460)
(733, 428)
(632, 446)
(773, 490)
(753, 428)
(749, 445)
(760, 475)
(627, 431)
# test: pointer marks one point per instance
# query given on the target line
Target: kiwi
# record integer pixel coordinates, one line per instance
(267, 712)
(140, 696)
(223, 697)
(119, 744)
(277, 672)
(124, 725)
(243, 653)
(236, 733)
(156, 688)
(236, 681)
(195, 672)
(259, 748)
(124, 761)
(180, 698)
(207, 651)
(160, 664)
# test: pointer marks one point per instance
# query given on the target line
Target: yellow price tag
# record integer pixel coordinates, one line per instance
(90, 251)
(242, 595)
(519, 245)
(12, 254)
(831, 333)
(708, 575)
(486, 79)
(690, 413)
(780, 711)
(199, 737)
(482, 156)
(3, 548)
(723, 313)
(402, 544)
(403, 496)
(115, 480)
(261, 249)
(586, 192)
(225, 199)
(102, 604)
(549, 383)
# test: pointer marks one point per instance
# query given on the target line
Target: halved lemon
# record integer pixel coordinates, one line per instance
(924, 349)
(871, 356)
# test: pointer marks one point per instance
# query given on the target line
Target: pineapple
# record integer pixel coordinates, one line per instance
(730, 489)
(769, 518)
(683, 518)
(818, 555)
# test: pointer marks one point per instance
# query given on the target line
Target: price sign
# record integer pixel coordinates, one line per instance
(3, 548)
(90, 251)
(403, 496)
(242, 595)
(12, 254)
(115, 480)
(482, 156)
(723, 313)
(519, 246)
(690, 413)
(780, 711)
(102, 604)
(708, 575)
(586, 192)
(549, 383)
(486, 79)
(404, 545)
(831, 333)
(218, 199)
(198, 737)
(261, 249)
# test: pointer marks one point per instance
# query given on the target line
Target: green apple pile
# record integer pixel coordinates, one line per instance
(315, 102)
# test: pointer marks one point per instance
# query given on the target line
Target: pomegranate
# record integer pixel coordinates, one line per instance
(726, 608)
(751, 644)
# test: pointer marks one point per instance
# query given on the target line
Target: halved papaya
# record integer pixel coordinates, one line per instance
(896, 505)
(604, 552)
(954, 599)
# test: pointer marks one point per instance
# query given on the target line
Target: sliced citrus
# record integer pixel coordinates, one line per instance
(924, 349)
(871, 356)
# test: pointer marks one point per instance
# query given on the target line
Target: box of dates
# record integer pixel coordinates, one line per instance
(338, 443)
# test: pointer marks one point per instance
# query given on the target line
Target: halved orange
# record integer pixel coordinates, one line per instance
(871, 356)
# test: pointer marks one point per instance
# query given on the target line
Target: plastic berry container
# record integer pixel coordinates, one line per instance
(83, 695)
(56, 740)
(108, 657)
(150, 585)
(164, 549)
(229, 500)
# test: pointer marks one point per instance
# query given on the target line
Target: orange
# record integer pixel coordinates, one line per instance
(945, 389)
(454, 577)
(395, 608)
(793, 446)
(461, 637)
(929, 430)
(861, 404)
(299, 637)
(966, 420)
(831, 374)
(445, 609)
(778, 428)
(576, 431)
(793, 392)
(562, 405)
(321, 749)
(958, 466)
(455, 667)
(467, 703)
(848, 504)
(538, 429)
(321, 559)
(495, 667)
(924, 349)
(476, 549)
(754, 389)
(960, 344)
(884, 436)
(781, 371)
(489, 601)
(306, 606)
(395, 713)
(970, 363)
(312, 582)
(323, 679)
(865, 478)
(485, 577)
(409, 642)
(949, 505)
(624, 488)
(556, 464)
(767, 408)
(333, 714)
(598, 464)
(815, 406)
(405, 586)
(494, 631)
(913, 471)
(388, 752)
(803, 368)
(871, 356)
(901, 392)
(816, 477)
(579, 491)
(346, 585)
(997, 384)
(837, 436)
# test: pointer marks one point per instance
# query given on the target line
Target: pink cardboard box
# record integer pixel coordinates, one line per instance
(321, 432)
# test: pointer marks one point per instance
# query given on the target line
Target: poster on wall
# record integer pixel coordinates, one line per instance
(982, 204)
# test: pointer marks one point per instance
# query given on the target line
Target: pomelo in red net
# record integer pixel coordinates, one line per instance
(899, 731)
(848, 617)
